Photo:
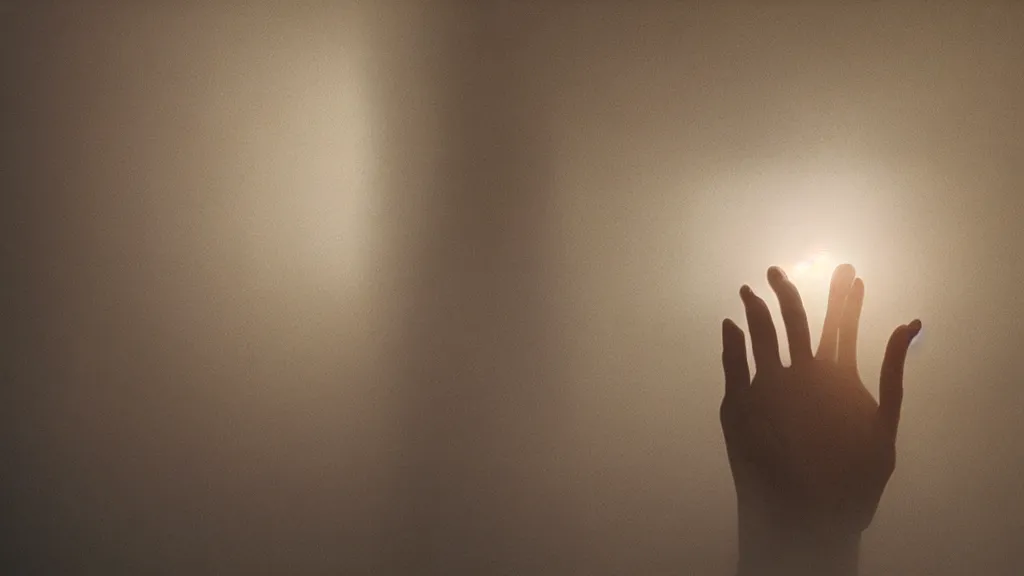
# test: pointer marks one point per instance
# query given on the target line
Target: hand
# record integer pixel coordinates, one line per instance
(810, 449)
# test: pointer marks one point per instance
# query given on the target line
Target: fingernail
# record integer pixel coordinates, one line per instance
(776, 273)
(745, 291)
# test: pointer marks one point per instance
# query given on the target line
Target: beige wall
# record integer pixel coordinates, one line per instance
(407, 288)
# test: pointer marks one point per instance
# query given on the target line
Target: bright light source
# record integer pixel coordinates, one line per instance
(814, 270)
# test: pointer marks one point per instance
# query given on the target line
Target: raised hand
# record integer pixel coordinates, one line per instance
(810, 448)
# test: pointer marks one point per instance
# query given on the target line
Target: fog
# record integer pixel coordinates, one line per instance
(411, 288)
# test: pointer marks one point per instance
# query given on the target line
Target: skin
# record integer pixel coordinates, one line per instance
(810, 448)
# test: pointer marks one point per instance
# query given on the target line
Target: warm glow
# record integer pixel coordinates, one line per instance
(812, 276)
(814, 270)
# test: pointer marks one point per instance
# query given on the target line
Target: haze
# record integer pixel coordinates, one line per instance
(409, 288)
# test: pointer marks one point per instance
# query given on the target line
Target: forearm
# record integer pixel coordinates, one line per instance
(771, 551)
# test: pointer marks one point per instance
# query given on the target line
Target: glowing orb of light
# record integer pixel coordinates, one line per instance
(819, 266)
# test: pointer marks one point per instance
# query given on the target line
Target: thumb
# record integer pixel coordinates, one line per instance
(890, 388)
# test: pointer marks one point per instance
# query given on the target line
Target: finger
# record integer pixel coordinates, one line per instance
(734, 358)
(793, 315)
(763, 338)
(890, 385)
(842, 283)
(849, 324)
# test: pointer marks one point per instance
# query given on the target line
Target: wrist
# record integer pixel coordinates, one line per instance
(769, 550)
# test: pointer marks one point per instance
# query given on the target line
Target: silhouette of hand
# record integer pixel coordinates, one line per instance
(810, 449)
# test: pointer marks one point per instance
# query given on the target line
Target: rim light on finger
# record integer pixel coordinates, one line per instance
(812, 276)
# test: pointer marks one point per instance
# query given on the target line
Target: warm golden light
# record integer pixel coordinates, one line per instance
(816, 268)
(812, 276)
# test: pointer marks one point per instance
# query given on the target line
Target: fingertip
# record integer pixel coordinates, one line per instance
(746, 292)
(899, 342)
(915, 327)
(776, 274)
(844, 270)
(732, 330)
(733, 340)
(842, 280)
(857, 292)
